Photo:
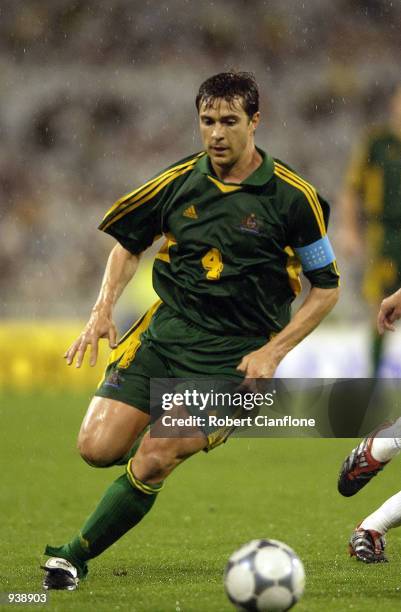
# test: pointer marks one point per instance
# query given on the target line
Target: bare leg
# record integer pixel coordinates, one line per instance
(132, 495)
(108, 430)
(156, 458)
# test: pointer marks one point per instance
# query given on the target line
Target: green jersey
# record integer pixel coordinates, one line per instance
(375, 172)
(232, 255)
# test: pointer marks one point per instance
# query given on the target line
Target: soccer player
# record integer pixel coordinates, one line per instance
(238, 225)
(367, 542)
(371, 213)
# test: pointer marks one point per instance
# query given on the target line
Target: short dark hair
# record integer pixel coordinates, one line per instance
(230, 85)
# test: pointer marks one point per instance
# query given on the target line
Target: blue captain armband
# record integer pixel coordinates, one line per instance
(316, 255)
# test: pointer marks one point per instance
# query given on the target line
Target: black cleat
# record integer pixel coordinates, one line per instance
(60, 574)
(367, 546)
(359, 467)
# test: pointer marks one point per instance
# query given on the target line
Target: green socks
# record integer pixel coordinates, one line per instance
(123, 505)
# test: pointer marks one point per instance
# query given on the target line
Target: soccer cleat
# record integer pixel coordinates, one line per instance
(60, 575)
(359, 467)
(367, 545)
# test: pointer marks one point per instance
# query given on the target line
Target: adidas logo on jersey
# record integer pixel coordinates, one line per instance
(190, 212)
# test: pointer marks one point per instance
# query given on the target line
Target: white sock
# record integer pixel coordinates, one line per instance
(387, 444)
(385, 517)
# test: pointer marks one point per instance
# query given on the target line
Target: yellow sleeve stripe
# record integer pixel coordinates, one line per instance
(336, 270)
(308, 190)
(144, 189)
(145, 198)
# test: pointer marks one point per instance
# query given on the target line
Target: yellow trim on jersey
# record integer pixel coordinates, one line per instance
(293, 268)
(374, 190)
(354, 177)
(336, 270)
(148, 197)
(223, 187)
(163, 256)
(163, 253)
(149, 489)
(308, 190)
(148, 186)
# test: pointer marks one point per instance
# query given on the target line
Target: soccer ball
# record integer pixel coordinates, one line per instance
(264, 576)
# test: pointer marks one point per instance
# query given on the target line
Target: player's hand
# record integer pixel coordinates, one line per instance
(390, 311)
(259, 364)
(100, 325)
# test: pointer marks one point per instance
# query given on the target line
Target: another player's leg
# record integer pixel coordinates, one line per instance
(368, 540)
(124, 504)
(377, 350)
(375, 287)
(367, 545)
(369, 458)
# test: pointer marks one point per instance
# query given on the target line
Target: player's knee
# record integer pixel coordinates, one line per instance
(94, 453)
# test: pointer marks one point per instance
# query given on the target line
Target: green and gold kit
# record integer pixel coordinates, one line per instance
(229, 267)
(229, 262)
(375, 173)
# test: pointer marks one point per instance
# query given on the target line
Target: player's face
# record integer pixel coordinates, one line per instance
(226, 130)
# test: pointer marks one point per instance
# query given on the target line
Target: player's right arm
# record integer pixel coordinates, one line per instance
(121, 267)
(135, 221)
(390, 311)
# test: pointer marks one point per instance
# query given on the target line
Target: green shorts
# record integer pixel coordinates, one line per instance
(163, 344)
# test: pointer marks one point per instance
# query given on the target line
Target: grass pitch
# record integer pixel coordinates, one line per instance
(174, 560)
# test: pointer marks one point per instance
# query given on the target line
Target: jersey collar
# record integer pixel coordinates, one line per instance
(259, 177)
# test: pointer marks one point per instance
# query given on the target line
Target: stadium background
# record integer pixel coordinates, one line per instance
(98, 96)
(95, 97)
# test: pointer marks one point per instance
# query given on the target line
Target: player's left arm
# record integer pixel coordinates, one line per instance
(308, 237)
(264, 362)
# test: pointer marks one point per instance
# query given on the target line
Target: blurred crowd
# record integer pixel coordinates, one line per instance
(96, 96)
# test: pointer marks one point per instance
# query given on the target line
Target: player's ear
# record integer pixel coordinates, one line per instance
(255, 120)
